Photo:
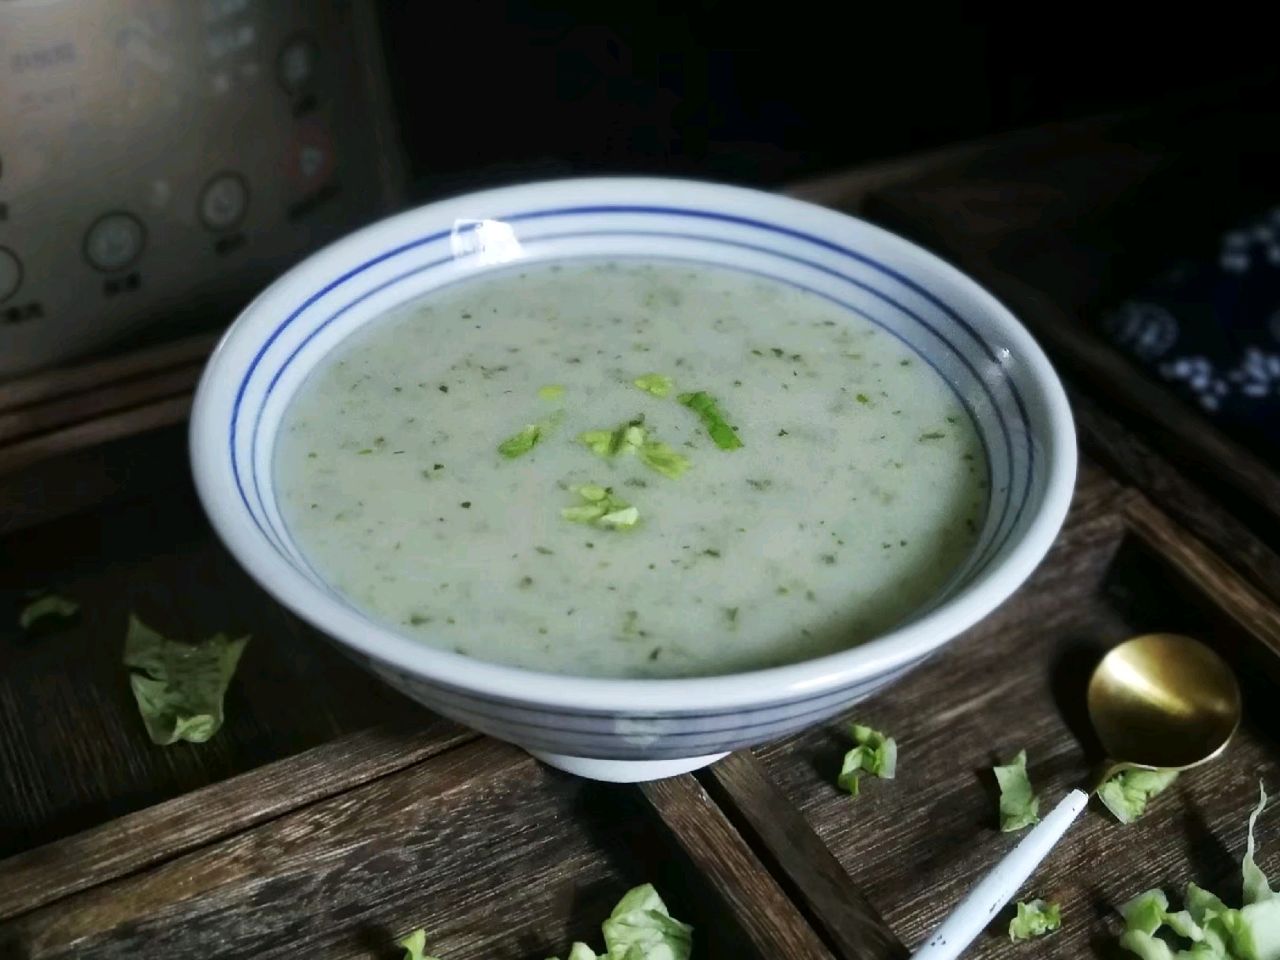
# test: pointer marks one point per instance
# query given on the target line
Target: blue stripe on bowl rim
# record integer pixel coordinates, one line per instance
(975, 564)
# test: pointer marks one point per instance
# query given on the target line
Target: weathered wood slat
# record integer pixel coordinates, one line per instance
(96, 376)
(1215, 579)
(772, 921)
(495, 855)
(111, 426)
(167, 830)
(65, 412)
(846, 916)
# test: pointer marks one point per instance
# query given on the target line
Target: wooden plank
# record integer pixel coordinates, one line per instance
(495, 855)
(103, 374)
(772, 921)
(1173, 492)
(68, 411)
(72, 747)
(173, 827)
(838, 907)
(111, 426)
(1215, 579)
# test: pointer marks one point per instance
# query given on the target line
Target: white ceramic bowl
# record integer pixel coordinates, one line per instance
(636, 729)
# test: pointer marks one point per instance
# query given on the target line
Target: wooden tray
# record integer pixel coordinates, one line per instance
(331, 815)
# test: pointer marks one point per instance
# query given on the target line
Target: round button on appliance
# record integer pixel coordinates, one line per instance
(10, 273)
(223, 201)
(114, 241)
(296, 64)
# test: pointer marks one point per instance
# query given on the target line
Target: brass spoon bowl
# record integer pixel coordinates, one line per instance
(1162, 702)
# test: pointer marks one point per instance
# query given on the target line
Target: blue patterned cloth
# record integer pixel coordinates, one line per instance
(1210, 328)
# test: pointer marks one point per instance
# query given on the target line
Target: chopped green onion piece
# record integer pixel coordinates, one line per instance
(654, 383)
(609, 443)
(552, 391)
(1019, 805)
(1127, 793)
(602, 509)
(626, 517)
(1035, 919)
(521, 443)
(179, 686)
(875, 754)
(704, 405)
(49, 607)
(658, 456)
(529, 437)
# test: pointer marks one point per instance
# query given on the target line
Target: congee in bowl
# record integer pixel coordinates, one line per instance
(632, 472)
(631, 468)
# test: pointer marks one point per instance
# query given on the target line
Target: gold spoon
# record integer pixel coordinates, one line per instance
(1162, 702)
(1158, 702)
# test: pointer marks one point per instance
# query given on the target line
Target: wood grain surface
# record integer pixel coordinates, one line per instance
(173, 827)
(773, 922)
(72, 747)
(821, 887)
(916, 844)
(497, 856)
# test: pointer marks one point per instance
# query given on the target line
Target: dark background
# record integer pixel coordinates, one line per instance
(493, 91)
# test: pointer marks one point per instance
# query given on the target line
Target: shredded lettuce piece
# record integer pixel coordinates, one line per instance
(602, 509)
(179, 686)
(1127, 793)
(654, 383)
(874, 753)
(1019, 805)
(552, 391)
(1214, 930)
(704, 405)
(415, 946)
(46, 608)
(1035, 919)
(641, 928)
(658, 456)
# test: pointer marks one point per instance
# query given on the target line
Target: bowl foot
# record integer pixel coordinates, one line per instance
(624, 771)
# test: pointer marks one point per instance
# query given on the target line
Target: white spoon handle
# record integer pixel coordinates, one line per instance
(975, 911)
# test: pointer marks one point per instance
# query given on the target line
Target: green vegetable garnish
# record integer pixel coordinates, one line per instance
(660, 457)
(602, 509)
(654, 383)
(1019, 805)
(875, 754)
(415, 946)
(552, 391)
(521, 443)
(704, 405)
(529, 437)
(45, 608)
(632, 437)
(1215, 931)
(1126, 794)
(626, 437)
(179, 686)
(1035, 919)
(641, 928)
